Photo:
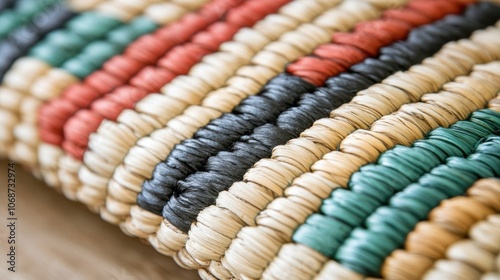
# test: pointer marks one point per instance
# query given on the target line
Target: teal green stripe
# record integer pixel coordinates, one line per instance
(386, 229)
(375, 184)
(97, 53)
(24, 12)
(63, 44)
(29, 8)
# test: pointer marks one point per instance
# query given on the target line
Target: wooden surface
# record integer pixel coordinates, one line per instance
(61, 239)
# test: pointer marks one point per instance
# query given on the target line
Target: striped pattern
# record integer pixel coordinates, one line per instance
(268, 139)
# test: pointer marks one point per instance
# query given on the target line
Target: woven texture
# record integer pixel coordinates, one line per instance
(273, 139)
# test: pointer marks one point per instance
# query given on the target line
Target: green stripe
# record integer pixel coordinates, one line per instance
(63, 44)
(23, 13)
(392, 223)
(97, 53)
(376, 184)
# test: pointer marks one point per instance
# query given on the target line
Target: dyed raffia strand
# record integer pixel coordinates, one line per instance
(61, 45)
(386, 54)
(438, 185)
(181, 59)
(412, 265)
(94, 55)
(228, 49)
(343, 15)
(369, 39)
(328, 269)
(101, 108)
(339, 177)
(445, 235)
(20, 14)
(200, 189)
(18, 42)
(168, 172)
(190, 155)
(81, 65)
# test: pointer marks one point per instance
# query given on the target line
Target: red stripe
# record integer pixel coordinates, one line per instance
(368, 37)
